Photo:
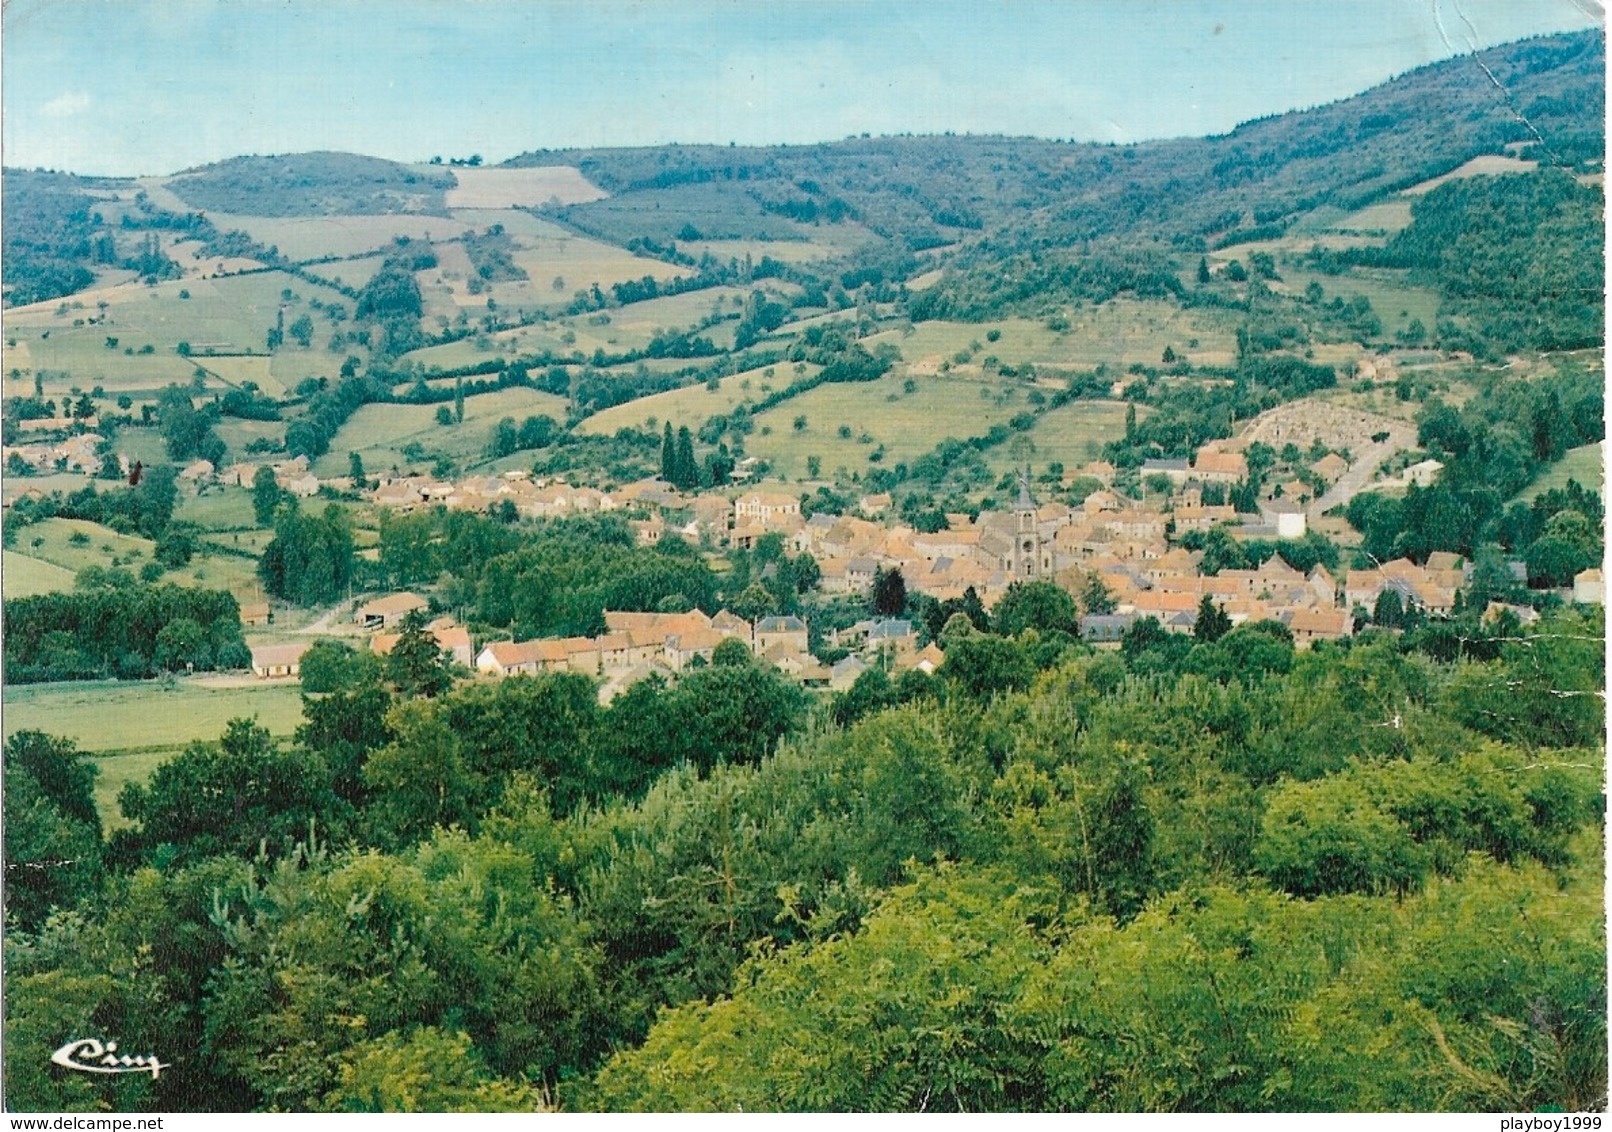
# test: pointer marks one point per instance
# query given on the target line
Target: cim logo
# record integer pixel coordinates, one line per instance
(90, 1055)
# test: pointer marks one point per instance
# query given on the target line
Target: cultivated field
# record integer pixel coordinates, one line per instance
(53, 541)
(1119, 333)
(22, 576)
(379, 433)
(504, 188)
(693, 405)
(1072, 435)
(1581, 464)
(123, 715)
(905, 424)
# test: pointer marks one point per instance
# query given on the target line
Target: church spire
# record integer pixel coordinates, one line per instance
(1026, 502)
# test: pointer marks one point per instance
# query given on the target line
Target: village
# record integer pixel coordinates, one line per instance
(1132, 551)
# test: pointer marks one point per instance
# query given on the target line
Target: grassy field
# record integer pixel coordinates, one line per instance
(135, 715)
(255, 368)
(906, 424)
(558, 263)
(1581, 464)
(135, 726)
(143, 444)
(1488, 165)
(53, 542)
(237, 434)
(693, 405)
(315, 237)
(675, 312)
(221, 509)
(379, 433)
(831, 240)
(1071, 435)
(560, 336)
(113, 773)
(716, 210)
(501, 188)
(11, 487)
(1119, 333)
(229, 316)
(350, 272)
(23, 576)
(1395, 300)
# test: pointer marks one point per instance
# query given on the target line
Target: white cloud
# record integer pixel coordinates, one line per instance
(66, 105)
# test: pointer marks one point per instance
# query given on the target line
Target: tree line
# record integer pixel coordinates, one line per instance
(977, 894)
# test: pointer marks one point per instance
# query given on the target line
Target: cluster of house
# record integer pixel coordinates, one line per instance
(697, 516)
(636, 646)
(1314, 606)
(74, 454)
(383, 617)
(290, 475)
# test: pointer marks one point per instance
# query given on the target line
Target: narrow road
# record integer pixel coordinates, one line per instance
(1365, 465)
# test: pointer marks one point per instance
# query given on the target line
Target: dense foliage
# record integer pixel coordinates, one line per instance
(127, 632)
(1343, 879)
(1519, 257)
(312, 184)
(1492, 447)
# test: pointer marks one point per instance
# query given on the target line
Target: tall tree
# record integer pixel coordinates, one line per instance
(417, 664)
(889, 595)
(688, 472)
(265, 495)
(1212, 623)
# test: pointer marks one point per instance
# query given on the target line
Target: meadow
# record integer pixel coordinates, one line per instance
(1395, 300)
(24, 576)
(237, 433)
(134, 715)
(687, 213)
(220, 509)
(482, 187)
(1071, 435)
(380, 432)
(133, 726)
(230, 316)
(693, 405)
(315, 237)
(879, 414)
(1582, 464)
(1119, 333)
(75, 544)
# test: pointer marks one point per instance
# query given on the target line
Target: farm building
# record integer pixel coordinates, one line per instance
(451, 639)
(385, 612)
(274, 661)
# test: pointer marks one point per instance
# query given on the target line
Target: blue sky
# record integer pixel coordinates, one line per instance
(154, 86)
